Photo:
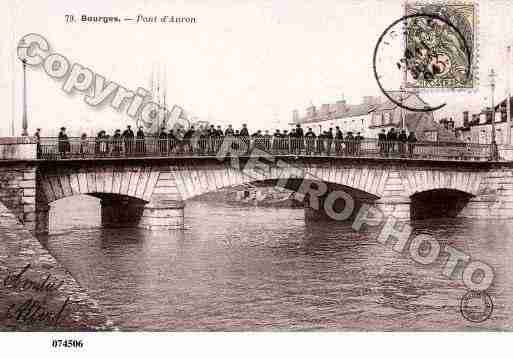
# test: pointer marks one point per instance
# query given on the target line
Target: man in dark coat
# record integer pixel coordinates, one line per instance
(411, 143)
(163, 140)
(244, 134)
(277, 138)
(128, 139)
(358, 143)
(350, 143)
(339, 138)
(320, 142)
(244, 131)
(310, 141)
(229, 131)
(299, 135)
(267, 141)
(402, 138)
(63, 144)
(382, 139)
(116, 140)
(187, 139)
(329, 140)
(391, 139)
(171, 140)
(37, 137)
(140, 145)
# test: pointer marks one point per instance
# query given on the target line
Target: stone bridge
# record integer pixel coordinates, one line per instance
(151, 192)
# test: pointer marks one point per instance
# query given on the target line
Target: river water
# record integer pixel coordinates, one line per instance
(248, 268)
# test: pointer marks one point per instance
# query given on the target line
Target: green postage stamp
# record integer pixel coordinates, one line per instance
(440, 45)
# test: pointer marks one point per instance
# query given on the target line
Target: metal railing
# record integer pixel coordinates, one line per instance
(77, 148)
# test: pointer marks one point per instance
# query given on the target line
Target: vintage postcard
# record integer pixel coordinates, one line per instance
(265, 166)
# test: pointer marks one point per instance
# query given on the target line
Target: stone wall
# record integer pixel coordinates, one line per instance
(17, 151)
(18, 191)
(494, 197)
(19, 302)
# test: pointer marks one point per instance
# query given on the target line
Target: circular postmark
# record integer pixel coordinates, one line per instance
(426, 60)
(476, 306)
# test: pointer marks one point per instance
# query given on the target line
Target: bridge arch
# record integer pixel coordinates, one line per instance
(126, 183)
(418, 181)
(438, 203)
(124, 191)
(192, 181)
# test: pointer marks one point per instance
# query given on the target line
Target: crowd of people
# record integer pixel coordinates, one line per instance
(209, 139)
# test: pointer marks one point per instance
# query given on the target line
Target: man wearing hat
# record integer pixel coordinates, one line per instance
(63, 145)
(37, 138)
(128, 137)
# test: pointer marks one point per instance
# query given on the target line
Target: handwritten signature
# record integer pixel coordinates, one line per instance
(33, 311)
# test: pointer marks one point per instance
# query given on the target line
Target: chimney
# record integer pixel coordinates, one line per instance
(295, 116)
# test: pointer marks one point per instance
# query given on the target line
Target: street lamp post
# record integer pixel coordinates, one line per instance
(492, 76)
(24, 123)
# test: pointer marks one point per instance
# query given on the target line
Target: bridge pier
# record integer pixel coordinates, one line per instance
(397, 207)
(162, 214)
(40, 225)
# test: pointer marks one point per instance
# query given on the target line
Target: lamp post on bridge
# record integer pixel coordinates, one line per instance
(492, 76)
(24, 121)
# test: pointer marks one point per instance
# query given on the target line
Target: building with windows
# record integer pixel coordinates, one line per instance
(374, 115)
(478, 127)
(354, 118)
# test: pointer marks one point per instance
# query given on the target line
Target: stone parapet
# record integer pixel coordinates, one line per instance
(19, 249)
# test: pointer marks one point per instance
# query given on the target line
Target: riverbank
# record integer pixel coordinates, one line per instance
(36, 292)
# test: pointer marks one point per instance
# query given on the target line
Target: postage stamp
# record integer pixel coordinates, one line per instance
(440, 45)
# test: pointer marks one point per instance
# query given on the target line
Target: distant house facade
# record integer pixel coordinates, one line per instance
(354, 118)
(374, 115)
(478, 127)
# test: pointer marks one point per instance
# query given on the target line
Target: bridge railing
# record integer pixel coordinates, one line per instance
(76, 148)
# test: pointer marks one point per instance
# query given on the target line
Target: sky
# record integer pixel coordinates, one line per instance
(242, 61)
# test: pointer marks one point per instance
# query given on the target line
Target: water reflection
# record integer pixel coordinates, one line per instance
(266, 269)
